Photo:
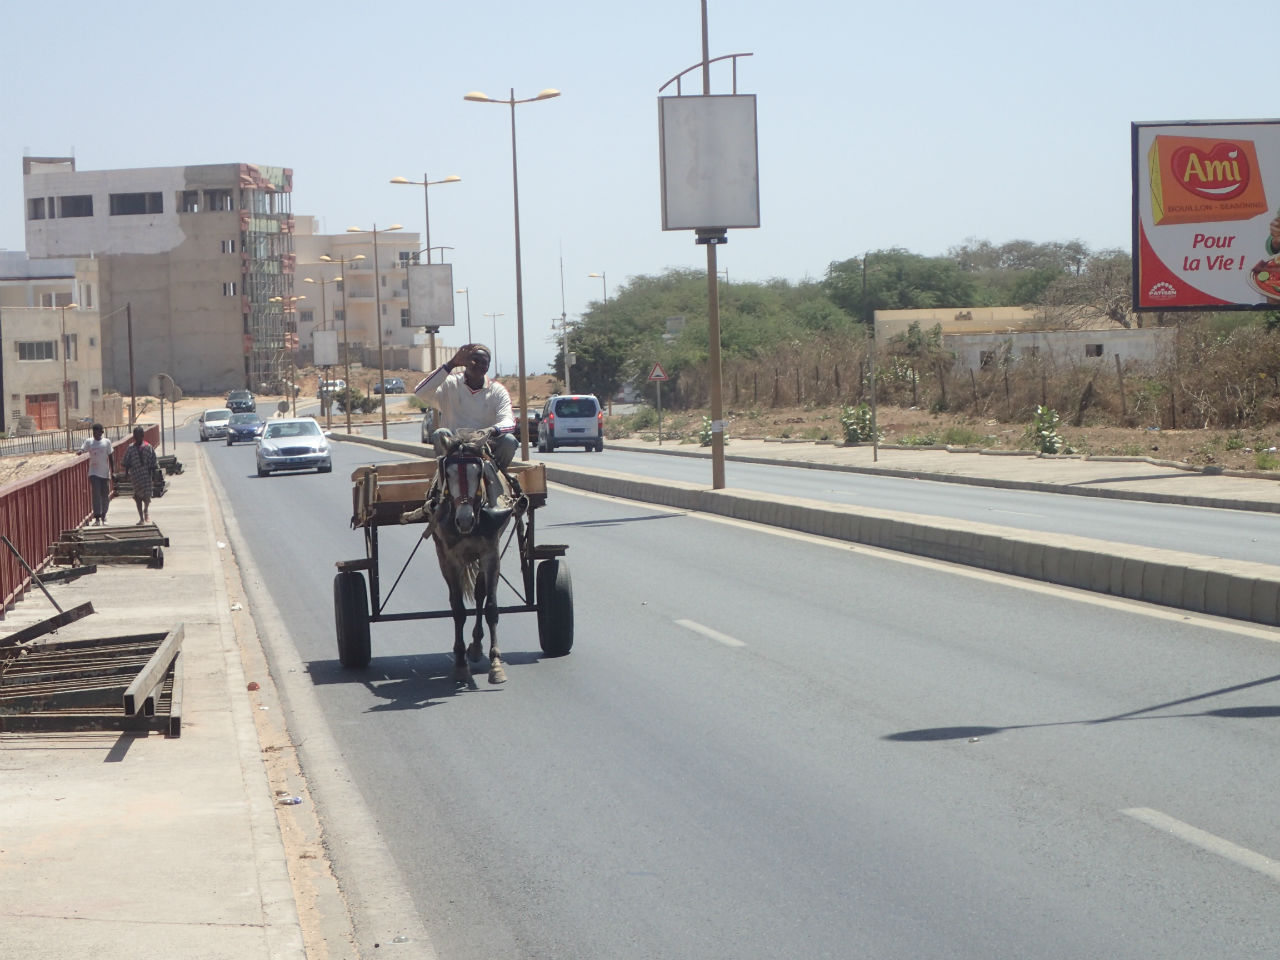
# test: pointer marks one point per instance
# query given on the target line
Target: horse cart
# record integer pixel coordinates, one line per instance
(382, 495)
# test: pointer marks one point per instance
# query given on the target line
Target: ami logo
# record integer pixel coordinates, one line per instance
(1220, 173)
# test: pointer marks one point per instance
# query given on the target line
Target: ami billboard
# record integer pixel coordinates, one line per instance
(1205, 195)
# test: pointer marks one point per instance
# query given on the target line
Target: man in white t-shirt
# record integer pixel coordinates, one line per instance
(100, 450)
(468, 400)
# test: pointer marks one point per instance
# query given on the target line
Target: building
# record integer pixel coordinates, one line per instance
(375, 305)
(983, 336)
(196, 266)
(50, 343)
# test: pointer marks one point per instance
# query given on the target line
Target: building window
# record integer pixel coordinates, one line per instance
(339, 316)
(71, 344)
(404, 319)
(133, 204)
(228, 246)
(229, 289)
(215, 200)
(77, 206)
(1093, 349)
(405, 259)
(37, 350)
(87, 290)
(307, 316)
(35, 208)
(62, 300)
(189, 201)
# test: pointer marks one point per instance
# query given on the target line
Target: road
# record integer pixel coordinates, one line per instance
(767, 745)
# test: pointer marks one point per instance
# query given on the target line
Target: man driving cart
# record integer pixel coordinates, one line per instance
(468, 400)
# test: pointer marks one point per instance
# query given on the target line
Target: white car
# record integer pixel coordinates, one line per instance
(294, 444)
(329, 387)
(213, 423)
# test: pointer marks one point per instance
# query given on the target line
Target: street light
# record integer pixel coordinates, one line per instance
(377, 311)
(477, 97)
(604, 287)
(495, 317)
(326, 401)
(289, 305)
(563, 327)
(467, 291)
(66, 382)
(346, 347)
(604, 310)
(426, 184)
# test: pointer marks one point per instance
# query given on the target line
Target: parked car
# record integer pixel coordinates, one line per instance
(389, 385)
(242, 401)
(293, 444)
(244, 426)
(430, 420)
(213, 423)
(330, 387)
(531, 420)
(571, 421)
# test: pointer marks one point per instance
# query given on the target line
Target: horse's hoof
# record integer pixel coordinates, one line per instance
(462, 676)
(496, 673)
(475, 652)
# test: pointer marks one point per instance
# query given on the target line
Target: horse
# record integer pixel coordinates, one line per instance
(467, 531)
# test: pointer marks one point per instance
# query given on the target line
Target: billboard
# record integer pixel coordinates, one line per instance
(430, 294)
(709, 164)
(1206, 215)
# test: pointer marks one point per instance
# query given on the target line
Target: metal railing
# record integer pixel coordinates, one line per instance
(34, 512)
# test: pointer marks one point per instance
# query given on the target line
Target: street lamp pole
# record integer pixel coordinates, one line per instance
(495, 317)
(289, 306)
(515, 192)
(377, 312)
(467, 291)
(326, 398)
(66, 381)
(346, 346)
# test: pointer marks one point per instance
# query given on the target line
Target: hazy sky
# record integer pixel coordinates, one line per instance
(912, 124)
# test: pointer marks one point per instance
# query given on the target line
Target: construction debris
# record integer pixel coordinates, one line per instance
(110, 683)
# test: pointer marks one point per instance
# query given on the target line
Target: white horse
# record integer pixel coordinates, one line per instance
(467, 533)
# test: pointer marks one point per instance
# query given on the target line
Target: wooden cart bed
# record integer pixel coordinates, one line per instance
(381, 493)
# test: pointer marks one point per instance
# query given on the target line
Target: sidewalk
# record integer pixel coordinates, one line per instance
(123, 845)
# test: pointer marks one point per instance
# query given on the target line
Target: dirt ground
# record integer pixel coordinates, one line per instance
(1249, 450)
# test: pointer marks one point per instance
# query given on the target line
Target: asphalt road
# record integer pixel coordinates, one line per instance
(766, 745)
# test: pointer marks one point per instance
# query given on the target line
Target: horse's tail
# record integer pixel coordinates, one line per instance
(469, 571)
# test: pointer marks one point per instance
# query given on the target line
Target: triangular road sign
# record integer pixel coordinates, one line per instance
(657, 373)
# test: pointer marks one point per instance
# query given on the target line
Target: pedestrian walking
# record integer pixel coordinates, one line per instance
(100, 452)
(140, 463)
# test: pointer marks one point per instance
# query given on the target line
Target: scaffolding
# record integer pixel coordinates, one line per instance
(266, 238)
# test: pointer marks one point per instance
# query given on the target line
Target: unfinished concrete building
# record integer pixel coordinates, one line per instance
(196, 266)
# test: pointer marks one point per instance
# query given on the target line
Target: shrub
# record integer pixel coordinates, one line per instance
(856, 423)
(1043, 432)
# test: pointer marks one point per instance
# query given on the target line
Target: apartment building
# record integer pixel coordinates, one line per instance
(196, 266)
(50, 342)
(376, 304)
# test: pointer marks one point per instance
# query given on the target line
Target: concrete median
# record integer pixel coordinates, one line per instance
(1239, 590)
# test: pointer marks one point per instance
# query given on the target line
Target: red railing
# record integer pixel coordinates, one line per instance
(34, 513)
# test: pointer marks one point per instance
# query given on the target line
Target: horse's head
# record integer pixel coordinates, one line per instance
(463, 488)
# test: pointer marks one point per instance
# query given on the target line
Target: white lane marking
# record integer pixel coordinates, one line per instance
(1207, 841)
(715, 635)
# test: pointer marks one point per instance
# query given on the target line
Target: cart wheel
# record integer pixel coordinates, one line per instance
(555, 607)
(157, 558)
(351, 615)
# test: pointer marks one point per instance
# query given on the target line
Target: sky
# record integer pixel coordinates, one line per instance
(915, 124)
